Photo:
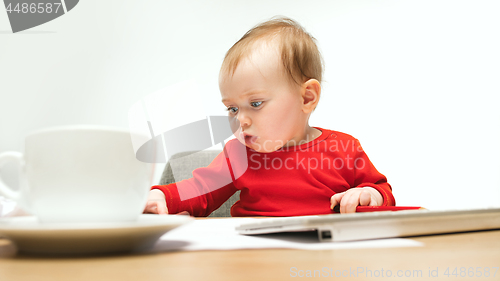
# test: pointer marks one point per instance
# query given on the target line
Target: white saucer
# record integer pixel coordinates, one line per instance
(31, 236)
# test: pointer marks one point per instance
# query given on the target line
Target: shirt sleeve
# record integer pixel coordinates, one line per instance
(202, 194)
(367, 175)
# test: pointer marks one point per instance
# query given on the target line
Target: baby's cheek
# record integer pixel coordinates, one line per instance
(235, 125)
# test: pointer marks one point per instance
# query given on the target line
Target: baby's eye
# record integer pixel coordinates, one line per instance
(232, 109)
(255, 103)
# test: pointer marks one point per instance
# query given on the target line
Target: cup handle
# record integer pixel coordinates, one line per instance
(6, 157)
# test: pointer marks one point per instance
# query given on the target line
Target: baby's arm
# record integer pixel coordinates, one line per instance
(361, 196)
(198, 196)
(156, 203)
(368, 186)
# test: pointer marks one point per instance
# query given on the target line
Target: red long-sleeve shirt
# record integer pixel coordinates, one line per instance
(291, 181)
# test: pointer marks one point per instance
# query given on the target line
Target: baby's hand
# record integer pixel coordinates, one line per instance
(350, 199)
(156, 203)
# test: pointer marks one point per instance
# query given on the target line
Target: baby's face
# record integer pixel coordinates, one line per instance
(265, 108)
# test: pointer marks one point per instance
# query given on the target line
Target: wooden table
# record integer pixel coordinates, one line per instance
(463, 256)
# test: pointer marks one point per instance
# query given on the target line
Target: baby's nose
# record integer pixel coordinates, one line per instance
(244, 120)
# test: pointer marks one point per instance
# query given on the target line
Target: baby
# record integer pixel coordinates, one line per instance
(270, 82)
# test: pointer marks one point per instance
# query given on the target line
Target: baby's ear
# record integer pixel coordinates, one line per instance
(311, 91)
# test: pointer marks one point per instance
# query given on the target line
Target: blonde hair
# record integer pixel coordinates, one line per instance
(299, 53)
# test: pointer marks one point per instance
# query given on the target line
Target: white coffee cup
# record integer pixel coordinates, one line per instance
(80, 174)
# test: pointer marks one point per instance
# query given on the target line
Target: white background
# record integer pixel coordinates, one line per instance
(416, 81)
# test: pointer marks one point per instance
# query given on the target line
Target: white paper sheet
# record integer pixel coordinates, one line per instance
(220, 234)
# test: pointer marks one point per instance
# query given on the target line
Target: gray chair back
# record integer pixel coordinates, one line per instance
(184, 163)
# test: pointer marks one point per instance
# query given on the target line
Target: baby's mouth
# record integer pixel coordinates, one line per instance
(249, 139)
